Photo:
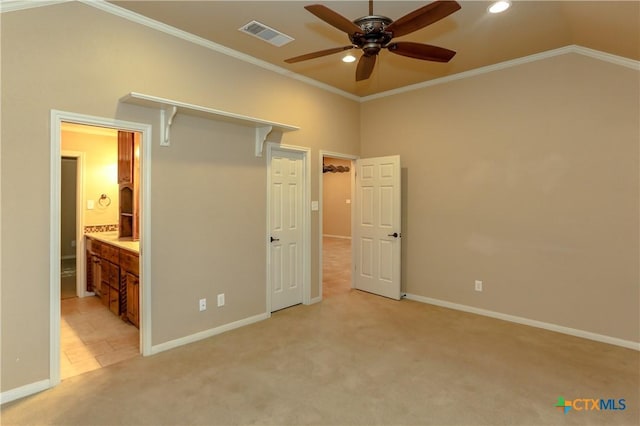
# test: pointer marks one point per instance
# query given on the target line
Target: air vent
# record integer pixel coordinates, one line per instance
(265, 33)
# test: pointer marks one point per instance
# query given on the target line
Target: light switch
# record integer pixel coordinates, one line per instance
(348, 201)
(314, 206)
(90, 204)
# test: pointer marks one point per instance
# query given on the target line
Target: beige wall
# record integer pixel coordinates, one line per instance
(336, 190)
(204, 233)
(100, 174)
(527, 179)
(543, 206)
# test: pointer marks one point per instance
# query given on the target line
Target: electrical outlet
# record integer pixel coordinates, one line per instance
(203, 305)
(478, 285)
(221, 300)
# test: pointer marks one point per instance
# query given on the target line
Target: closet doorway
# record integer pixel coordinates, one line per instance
(70, 168)
(337, 183)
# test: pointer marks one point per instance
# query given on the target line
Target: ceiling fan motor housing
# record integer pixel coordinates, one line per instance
(372, 33)
(373, 36)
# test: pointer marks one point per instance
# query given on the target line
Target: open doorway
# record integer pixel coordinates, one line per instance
(97, 264)
(337, 187)
(68, 225)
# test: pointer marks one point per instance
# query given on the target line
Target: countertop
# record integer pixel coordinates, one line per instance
(112, 238)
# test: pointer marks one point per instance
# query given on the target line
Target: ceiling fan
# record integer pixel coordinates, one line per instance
(372, 33)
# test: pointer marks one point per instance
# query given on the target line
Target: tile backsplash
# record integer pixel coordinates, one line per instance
(100, 228)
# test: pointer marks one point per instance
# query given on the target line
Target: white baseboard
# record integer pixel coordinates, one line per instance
(336, 236)
(526, 321)
(207, 333)
(68, 256)
(315, 300)
(26, 390)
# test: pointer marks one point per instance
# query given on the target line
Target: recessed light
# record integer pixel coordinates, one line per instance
(499, 6)
(349, 58)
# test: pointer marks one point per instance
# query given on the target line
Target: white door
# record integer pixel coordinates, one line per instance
(377, 226)
(286, 229)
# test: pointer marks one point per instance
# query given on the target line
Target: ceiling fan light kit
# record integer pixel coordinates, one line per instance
(349, 58)
(499, 6)
(373, 33)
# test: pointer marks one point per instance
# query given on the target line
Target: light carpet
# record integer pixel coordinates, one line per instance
(354, 359)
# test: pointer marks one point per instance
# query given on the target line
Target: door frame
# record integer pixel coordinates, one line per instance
(56, 119)
(340, 156)
(306, 220)
(81, 276)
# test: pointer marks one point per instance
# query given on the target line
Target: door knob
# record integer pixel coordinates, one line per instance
(274, 239)
(394, 235)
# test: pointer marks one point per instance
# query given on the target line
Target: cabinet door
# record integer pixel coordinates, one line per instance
(133, 299)
(114, 301)
(125, 157)
(95, 269)
(105, 273)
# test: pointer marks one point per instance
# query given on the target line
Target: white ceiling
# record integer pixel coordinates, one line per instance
(480, 39)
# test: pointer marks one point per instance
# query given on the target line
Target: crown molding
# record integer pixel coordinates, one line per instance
(596, 54)
(168, 29)
(12, 5)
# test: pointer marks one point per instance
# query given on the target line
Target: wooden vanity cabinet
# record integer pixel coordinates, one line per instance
(133, 298)
(114, 276)
(93, 253)
(110, 285)
(130, 267)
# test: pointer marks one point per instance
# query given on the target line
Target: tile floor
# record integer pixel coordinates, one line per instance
(92, 337)
(336, 266)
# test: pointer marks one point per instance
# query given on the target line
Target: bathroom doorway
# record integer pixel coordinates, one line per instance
(92, 335)
(81, 326)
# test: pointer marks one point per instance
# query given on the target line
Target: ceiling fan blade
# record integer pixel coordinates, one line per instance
(318, 54)
(422, 17)
(425, 52)
(333, 18)
(365, 67)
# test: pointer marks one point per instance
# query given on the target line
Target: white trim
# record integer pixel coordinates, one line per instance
(167, 29)
(306, 218)
(343, 237)
(56, 119)
(607, 57)
(352, 158)
(12, 6)
(530, 322)
(317, 299)
(207, 333)
(22, 391)
(54, 250)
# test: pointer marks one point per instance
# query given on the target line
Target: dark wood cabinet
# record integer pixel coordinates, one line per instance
(125, 157)
(130, 267)
(133, 298)
(113, 275)
(128, 184)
